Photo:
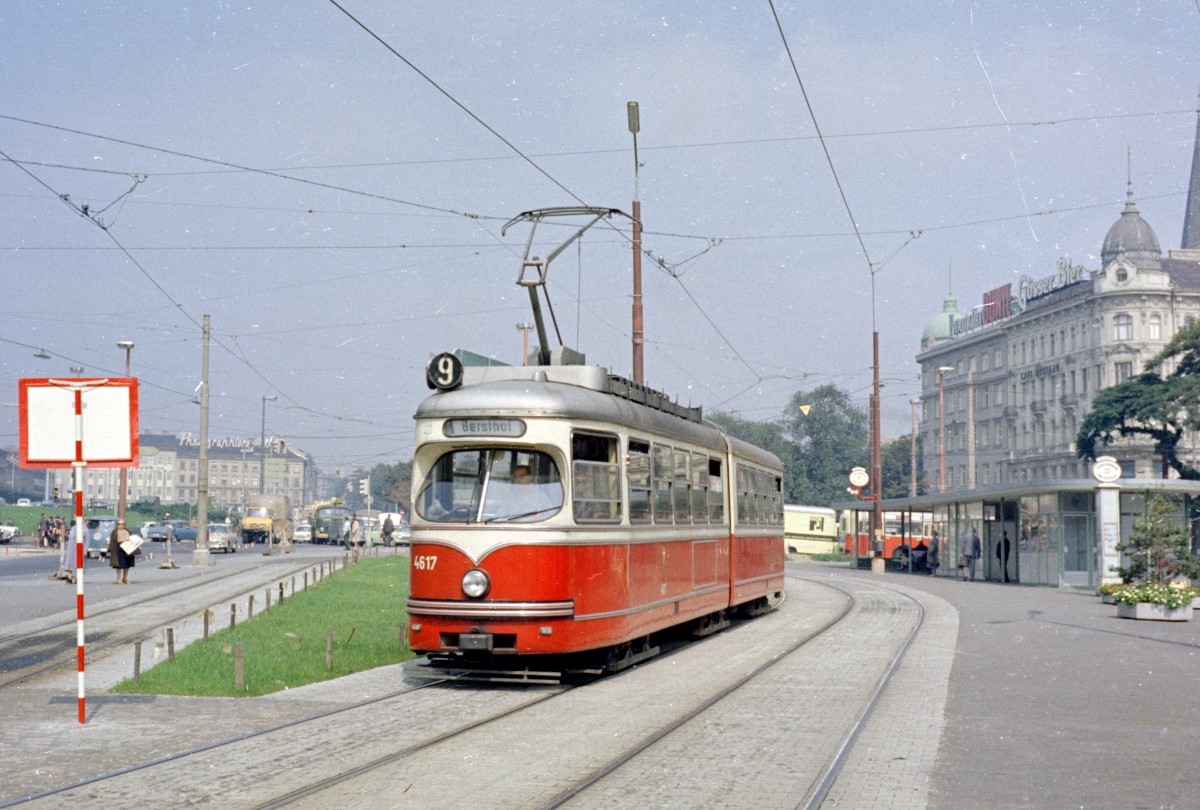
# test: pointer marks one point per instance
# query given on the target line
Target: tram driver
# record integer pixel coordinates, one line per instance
(522, 498)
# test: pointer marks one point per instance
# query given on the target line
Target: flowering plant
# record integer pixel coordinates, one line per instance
(1154, 594)
(1110, 588)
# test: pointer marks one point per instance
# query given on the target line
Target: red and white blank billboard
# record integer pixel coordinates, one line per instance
(109, 419)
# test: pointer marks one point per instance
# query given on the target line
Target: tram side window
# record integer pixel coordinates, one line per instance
(662, 483)
(683, 487)
(596, 477)
(639, 482)
(743, 495)
(777, 500)
(716, 492)
(757, 495)
(699, 488)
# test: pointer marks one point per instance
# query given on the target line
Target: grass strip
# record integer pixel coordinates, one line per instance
(284, 647)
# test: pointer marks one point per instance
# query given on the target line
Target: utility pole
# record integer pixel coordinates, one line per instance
(123, 476)
(638, 333)
(876, 455)
(200, 555)
(913, 460)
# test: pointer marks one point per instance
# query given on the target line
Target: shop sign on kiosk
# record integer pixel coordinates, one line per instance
(76, 423)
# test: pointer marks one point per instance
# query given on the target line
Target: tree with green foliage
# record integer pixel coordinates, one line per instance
(1158, 550)
(897, 468)
(392, 483)
(819, 438)
(830, 437)
(1160, 406)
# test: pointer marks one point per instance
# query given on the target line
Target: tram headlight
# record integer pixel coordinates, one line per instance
(476, 583)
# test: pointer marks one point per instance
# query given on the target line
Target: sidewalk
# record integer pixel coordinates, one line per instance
(1054, 702)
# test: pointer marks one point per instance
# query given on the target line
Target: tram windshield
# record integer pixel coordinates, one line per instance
(491, 485)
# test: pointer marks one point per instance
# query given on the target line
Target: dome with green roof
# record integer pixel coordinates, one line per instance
(939, 326)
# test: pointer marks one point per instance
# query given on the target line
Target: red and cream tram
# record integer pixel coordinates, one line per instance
(562, 511)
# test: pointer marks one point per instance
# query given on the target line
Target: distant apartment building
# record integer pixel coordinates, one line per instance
(169, 465)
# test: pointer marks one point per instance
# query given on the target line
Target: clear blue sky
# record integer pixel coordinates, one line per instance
(378, 244)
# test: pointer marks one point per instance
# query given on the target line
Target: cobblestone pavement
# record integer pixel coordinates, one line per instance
(745, 755)
(1011, 697)
(763, 746)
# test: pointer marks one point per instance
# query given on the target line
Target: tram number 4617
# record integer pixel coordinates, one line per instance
(424, 562)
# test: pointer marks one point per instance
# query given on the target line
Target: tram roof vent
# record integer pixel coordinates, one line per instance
(628, 389)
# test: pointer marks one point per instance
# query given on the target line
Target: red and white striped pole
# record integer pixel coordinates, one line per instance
(79, 465)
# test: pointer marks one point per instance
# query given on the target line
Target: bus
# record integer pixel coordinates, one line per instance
(810, 529)
(904, 534)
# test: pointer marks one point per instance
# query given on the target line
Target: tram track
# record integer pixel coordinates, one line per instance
(393, 771)
(820, 787)
(53, 647)
(408, 738)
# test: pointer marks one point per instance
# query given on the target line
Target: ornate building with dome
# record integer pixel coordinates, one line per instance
(1006, 384)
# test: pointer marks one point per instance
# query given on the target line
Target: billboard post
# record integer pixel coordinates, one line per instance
(73, 423)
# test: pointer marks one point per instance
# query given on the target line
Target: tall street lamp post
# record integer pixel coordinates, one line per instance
(942, 371)
(912, 491)
(262, 467)
(123, 480)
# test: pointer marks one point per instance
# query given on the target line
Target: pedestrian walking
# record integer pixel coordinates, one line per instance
(1003, 548)
(972, 550)
(117, 558)
(932, 559)
(355, 533)
(388, 528)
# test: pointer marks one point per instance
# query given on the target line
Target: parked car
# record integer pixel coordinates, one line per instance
(302, 533)
(24, 502)
(7, 533)
(97, 530)
(144, 530)
(179, 529)
(222, 538)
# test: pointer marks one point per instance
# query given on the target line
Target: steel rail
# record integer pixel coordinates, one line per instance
(67, 628)
(200, 749)
(679, 722)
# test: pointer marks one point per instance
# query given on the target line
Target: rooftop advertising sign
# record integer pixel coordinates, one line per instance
(1000, 303)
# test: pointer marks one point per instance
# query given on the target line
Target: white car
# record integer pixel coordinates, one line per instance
(222, 538)
(24, 502)
(302, 533)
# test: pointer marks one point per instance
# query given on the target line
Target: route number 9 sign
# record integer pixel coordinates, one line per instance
(444, 372)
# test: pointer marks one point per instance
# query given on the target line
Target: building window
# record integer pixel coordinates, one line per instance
(1155, 327)
(1123, 327)
(1122, 372)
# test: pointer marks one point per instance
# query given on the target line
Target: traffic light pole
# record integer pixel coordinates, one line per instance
(364, 488)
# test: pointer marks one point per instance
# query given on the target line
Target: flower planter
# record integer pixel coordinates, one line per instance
(1108, 599)
(1196, 603)
(1152, 611)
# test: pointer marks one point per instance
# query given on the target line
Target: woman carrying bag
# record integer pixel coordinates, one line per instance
(117, 556)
